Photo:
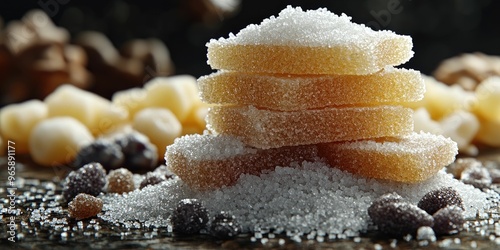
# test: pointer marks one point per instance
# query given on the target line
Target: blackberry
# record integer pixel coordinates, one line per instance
(382, 200)
(189, 217)
(139, 153)
(151, 179)
(400, 218)
(225, 226)
(106, 152)
(440, 198)
(448, 220)
(89, 179)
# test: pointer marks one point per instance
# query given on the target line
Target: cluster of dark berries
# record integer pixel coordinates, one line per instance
(131, 150)
(89, 179)
(190, 217)
(441, 209)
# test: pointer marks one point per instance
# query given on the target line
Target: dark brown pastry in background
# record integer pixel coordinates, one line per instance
(40, 59)
(36, 58)
(139, 61)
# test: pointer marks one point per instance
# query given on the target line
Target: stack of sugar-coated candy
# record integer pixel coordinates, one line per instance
(309, 85)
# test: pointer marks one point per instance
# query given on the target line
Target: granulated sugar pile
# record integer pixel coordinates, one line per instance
(301, 198)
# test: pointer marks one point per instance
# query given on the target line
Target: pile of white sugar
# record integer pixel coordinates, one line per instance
(295, 27)
(301, 198)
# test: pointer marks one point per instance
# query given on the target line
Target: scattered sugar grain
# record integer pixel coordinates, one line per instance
(281, 242)
(426, 233)
(295, 27)
(302, 198)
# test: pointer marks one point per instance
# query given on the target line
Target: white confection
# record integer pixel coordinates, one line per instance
(209, 147)
(295, 27)
(302, 198)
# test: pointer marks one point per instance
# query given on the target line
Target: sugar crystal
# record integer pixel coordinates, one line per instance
(284, 199)
(310, 42)
(211, 161)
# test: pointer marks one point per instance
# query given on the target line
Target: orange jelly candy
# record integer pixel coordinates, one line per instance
(273, 129)
(212, 161)
(309, 42)
(298, 92)
(410, 159)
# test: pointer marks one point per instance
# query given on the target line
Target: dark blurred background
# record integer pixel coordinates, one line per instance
(440, 29)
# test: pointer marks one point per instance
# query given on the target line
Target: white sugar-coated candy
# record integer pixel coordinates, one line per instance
(176, 93)
(489, 132)
(95, 112)
(195, 122)
(461, 126)
(423, 122)
(17, 121)
(208, 147)
(133, 100)
(488, 99)
(57, 140)
(442, 100)
(159, 125)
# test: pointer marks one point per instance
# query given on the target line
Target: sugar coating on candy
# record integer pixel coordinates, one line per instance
(104, 151)
(411, 158)
(298, 92)
(212, 161)
(272, 129)
(189, 217)
(309, 42)
(383, 200)
(224, 226)
(120, 181)
(84, 206)
(440, 198)
(401, 218)
(89, 179)
(426, 233)
(297, 198)
(448, 220)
